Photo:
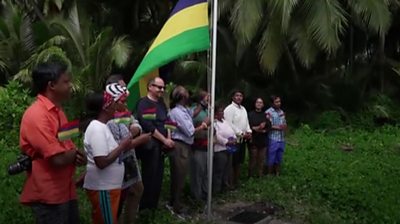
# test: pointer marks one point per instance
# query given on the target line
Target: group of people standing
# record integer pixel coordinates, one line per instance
(124, 154)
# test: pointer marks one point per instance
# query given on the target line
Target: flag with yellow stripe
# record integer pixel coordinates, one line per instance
(186, 31)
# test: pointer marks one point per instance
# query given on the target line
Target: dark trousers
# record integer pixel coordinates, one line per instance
(198, 173)
(237, 159)
(66, 213)
(179, 164)
(256, 160)
(152, 175)
(220, 170)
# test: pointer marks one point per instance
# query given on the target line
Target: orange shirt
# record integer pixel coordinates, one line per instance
(45, 183)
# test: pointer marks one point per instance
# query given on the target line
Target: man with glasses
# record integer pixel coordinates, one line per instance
(152, 114)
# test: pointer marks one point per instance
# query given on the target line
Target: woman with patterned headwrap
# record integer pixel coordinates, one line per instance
(104, 171)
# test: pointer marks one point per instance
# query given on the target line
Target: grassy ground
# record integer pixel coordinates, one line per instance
(321, 181)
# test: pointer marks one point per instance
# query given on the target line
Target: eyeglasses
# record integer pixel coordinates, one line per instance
(159, 87)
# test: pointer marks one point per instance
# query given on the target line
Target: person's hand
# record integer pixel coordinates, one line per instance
(282, 127)
(169, 143)
(231, 141)
(135, 131)
(247, 135)
(81, 179)
(203, 125)
(126, 144)
(80, 158)
(141, 139)
(262, 125)
(207, 121)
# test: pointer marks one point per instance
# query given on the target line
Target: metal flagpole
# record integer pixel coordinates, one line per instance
(214, 14)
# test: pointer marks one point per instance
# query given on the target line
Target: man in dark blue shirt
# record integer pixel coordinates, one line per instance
(152, 114)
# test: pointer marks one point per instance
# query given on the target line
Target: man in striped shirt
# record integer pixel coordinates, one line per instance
(276, 135)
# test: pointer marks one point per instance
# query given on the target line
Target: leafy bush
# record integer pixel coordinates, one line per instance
(13, 102)
(328, 120)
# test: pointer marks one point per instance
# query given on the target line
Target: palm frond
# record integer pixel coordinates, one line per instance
(24, 76)
(303, 44)
(4, 67)
(4, 32)
(375, 14)
(120, 51)
(245, 19)
(190, 66)
(73, 29)
(326, 21)
(40, 56)
(224, 6)
(58, 3)
(283, 9)
(53, 53)
(271, 47)
(53, 41)
(26, 35)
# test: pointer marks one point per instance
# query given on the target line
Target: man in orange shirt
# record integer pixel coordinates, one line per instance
(49, 188)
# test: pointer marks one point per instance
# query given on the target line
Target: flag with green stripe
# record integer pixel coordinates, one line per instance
(186, 31)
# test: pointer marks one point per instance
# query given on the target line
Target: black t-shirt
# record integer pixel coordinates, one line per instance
(255, 119)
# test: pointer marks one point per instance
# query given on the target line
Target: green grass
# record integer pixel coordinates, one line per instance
(320, 183)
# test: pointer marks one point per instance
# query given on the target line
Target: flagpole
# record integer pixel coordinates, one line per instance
(214, 13)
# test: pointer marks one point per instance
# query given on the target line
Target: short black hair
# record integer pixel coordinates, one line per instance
(236, 91)
(219, 106)
(272, 98)
(45, 73)
(114, 78)
(94, 105)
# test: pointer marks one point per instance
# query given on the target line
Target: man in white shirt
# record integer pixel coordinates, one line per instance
(236, 115)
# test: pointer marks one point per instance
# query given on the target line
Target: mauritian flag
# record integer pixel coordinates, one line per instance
(186, 31)
(149, 114)
(68, 130)
(123, 117)
(170, 125)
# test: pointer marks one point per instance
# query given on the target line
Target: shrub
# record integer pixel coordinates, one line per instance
(328, 120)
(13, 102)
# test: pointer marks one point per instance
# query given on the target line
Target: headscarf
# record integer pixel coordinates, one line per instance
(113, 93)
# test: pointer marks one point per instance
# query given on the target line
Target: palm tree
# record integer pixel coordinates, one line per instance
(92, 54)
(302, 30)
(24, 43)
(314, 46)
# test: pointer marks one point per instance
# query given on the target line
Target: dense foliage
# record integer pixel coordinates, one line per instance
(336, 64)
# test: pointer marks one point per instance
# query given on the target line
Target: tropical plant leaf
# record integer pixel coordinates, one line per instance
(23, 76)
(326, 21)
(26, 35)
(120, 51)
(375, 14)
(73, 29)
(271, 47)
(245, 19)
(283, 9)
(303, 44)
(53, 41)
(224, 6)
